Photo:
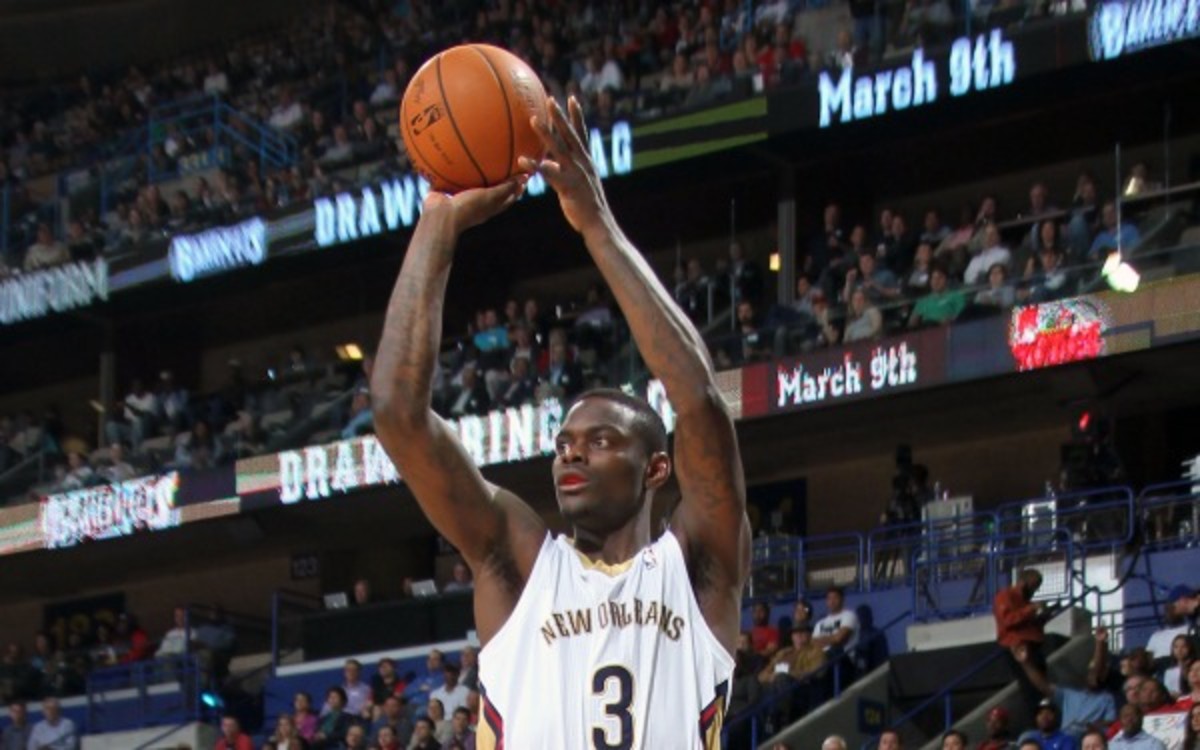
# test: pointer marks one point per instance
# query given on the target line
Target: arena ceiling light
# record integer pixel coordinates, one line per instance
(1120, 275)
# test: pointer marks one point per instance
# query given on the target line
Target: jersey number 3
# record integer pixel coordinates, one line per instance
(617, 708)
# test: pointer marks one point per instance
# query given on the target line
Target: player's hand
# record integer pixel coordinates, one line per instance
(1020, 652)
(1102, 635)
(471, 208)
(568, 166)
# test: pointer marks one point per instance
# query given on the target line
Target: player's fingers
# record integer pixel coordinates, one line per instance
(563, 128)
(550, 139)
(575, 109)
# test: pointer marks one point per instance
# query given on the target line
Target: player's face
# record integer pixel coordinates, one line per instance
(600, 466)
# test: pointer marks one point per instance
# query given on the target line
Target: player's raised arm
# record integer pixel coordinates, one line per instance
(711, 520)
(489, 526)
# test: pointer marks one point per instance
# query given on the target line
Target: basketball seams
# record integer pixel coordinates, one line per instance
(450, 116)
(512, 127)
(413, 144)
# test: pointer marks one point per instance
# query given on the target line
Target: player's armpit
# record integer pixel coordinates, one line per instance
(492, 528)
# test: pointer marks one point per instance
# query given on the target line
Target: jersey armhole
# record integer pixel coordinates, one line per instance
(718, 649)
(522, 600)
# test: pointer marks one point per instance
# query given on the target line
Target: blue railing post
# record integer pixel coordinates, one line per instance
(949, 715)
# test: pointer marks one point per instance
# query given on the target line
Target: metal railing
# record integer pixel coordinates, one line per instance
(1096, 519)
(288, 609)
(142, 677)
(1170, 515)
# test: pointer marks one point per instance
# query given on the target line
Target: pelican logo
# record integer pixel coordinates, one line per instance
(650, 559)
(425, 118)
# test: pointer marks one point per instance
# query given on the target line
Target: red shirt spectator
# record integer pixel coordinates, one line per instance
(763, 636)
(1016, 616)
(232, 736)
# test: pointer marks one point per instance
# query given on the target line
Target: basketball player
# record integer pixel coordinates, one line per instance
(607, 639)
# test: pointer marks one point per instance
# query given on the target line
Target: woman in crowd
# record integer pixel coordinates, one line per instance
(286, 736)
(1175, 675)
(303, 717)
(1191, 732)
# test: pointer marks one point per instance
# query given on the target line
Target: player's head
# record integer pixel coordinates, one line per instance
(610, 457)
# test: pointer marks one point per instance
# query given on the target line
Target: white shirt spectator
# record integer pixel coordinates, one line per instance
(286, 116)
(979, 266)
(216, 83)
(1160, 641)
(451, 700)
(358, 695)
(142, 405)
(43, 255)
(173, 643)
(384, 92)
(58, 736)
(608, 77)
(831, 624)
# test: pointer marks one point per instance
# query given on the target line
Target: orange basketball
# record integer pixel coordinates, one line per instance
(465, 117)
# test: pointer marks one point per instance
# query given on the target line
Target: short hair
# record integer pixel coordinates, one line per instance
(426, 720)
(955, 733)
(834, 741)
(450, 667)
(647, 424)
(1030, 742)
(836, 590)
(354, 662)
(895, 732)
(462, 710)
(338, 690)
(1097, 733)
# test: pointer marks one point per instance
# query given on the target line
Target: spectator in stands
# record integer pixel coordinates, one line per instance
(1048, 734)
(692, 291)
(745, 276)
(791, 667)
(357, 693)
(522, 383)
(441, 725)
(896, 251)
(864, 322)
(1019, 622)
(452, 693)
(564, 377)
(1191, 732)
(356, 738)
(393, 718)
(917, 281)
(386, 739)
(890, 740)
(834, 742)
(999, 736)
(749, 343)
(419, 689)
(1093, 739)
(827, 249)
(1174, 674)
(993, 252)
(360, 421)
(1185, 602)
(335, 721)
(954, 740)
(745, 690)
(1131, 736)
(472, 397)
(197, 448)
(303, 716)
(118, 469)
(46, 252)
(139, 416)
(174, 641)
(285, 736)
(764, 637)
(461, 731)
(469, 663)
(131, 641)
(461, 578)
(1191, 698)
(55, 731)
(942, 304)
(360, 593)
(1111, 237)
(998, 293)
(879, 283)
(1080, 710)
(16, 734)
(385, 682)
(1051, 281)
(837, 631)
(79, 472)
(423, 738)
(1161, 641)
(232, 736)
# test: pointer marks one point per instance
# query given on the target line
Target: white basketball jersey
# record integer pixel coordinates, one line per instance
(598, 657)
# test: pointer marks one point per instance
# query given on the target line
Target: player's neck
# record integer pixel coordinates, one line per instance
(617, 546)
